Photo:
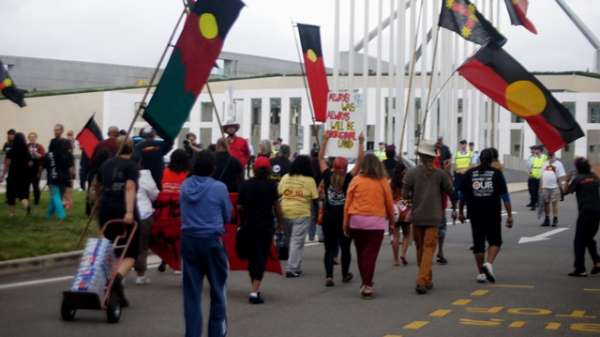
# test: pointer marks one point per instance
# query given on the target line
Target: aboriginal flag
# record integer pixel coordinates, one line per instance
(89, 137)
(8, 88)
(495, 73)
(517, 10)
(310, 38)
(462, 17)
(189, 67)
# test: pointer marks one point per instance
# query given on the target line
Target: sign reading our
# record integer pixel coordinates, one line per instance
(345, 121)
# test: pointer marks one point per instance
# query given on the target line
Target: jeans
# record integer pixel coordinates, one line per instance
(204, 256)
(296, 230)
(587, 227)
(368, 244)
(334, 241)
(533, 185)
(426, 239)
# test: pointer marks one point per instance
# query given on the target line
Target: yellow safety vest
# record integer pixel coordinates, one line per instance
(381, 155)
(463, 160)
(536, 166)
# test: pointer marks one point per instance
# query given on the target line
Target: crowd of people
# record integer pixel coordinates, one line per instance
(287, 197)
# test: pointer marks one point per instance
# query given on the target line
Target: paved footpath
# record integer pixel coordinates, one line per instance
(533, 297)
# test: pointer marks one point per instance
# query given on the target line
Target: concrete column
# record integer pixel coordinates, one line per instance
(285, 119)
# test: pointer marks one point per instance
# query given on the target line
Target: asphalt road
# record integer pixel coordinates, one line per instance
(533, 297)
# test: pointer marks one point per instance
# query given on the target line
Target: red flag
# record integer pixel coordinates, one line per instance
(517, 10)
(310, 38)
(89, 137)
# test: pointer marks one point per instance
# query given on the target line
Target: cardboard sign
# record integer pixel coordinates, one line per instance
(345, 122)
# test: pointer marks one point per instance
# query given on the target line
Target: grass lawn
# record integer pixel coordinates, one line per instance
(34, 235)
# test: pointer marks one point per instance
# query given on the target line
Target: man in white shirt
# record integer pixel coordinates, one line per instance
(553, 177)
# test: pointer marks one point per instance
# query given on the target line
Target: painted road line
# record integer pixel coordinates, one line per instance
(416, 325)
(511, 286)
(542, 237)
(591, 290)
(552, 326)
(517, 324)
(480, 292)
(577, 314)
(440, 313)
(392, 336)
(494, 322)
(483, 310)
(462, 301)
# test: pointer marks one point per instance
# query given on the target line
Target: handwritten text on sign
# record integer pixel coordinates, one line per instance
(345, 121)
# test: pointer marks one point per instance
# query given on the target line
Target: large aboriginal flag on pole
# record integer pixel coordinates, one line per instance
(8, 88)
(89, 137)
(310, 38)
(463, 18)
(517, 10)
(495, 73)
(193, 58)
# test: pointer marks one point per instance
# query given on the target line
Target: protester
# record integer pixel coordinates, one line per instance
(264, 149)
(109, 143)
(586, 186)
(10, 137)
(19, 163)
(380, 151)
(84, 170)
(314, 230)
(368, 212)
(552, 179)
(37, 152)
(298, 192)
(190, 146)
(482, 189)
(60, 166)
(495, 159)
(535, 163)
(396, 187)
(390, 162)
(475, 158)
(258, 205)
(238, 146)
(205, 209)
(147, 193)
(445, 166)
(423, 188)
(444, 151)
(281, 163)
(336, 181)
(167, 209)
(229, 169)
(93, 192)
(118, 177)
(150, 153)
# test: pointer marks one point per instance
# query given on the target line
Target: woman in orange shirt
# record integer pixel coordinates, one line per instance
(369, 210)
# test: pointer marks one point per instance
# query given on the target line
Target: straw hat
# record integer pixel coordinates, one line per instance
(231, 124)
(427, 148)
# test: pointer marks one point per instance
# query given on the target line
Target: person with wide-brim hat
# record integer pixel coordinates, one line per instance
(238, 146)
(424, 186)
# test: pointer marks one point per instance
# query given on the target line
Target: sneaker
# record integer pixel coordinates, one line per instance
(595, 270)
(489, 272)
(329, 283)
(162, 267)
(177, 272)
(141, 280)
(292, 274)
(442, 260)
(256, 299)
(421, 290)
(555, 222)
(347, 278)
(366, 293)
(546, 222)
(578, 274)
(481, 278)
(429, 286)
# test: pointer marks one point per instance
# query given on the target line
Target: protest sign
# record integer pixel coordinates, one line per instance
(345, 122)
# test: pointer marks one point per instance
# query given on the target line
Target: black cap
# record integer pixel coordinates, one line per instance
(464, 141)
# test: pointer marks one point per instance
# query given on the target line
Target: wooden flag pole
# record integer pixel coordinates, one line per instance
(301, 63)
(411, 78)
(135, 117)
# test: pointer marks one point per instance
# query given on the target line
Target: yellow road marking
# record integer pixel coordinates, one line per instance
(529, 311)
(480, 292)
(585, 327)
(592, 290)
(577, 314)
(488, 323)
(416, 325)
(440, 313)
(517, 324)
(512, 286)
(552, 326)
(392, 336)
(462, 301)
(482, 310)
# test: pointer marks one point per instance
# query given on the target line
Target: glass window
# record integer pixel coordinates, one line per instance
(295, 136)
(205, 137)
(594, 112)
(515, 119)
(515, 143)
(206, 112)
(275, 116)
(460, 105)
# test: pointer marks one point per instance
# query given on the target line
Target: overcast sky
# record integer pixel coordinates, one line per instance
(133, 32)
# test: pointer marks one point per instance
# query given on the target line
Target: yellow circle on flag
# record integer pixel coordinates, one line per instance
(209, 28)
(7, 82)
(525, 99)
(312, 56)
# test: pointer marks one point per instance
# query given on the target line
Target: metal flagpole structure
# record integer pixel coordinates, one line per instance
(214, 104)
(365, 66)
(301, 63)
(424, 55)
(400, 71)
(378, 113)
(350, 83)
(391, 101)
(336, 46)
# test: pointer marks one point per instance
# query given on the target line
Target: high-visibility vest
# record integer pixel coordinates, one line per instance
(381, 155)
(463, 160)
(536, 166)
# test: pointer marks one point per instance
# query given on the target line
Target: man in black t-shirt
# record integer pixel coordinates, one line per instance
(10, 136)
(280, 164)
(229, 170)
(482, 189)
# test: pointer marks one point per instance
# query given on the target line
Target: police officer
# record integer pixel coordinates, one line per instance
(535, 163)
(380, 152)
(462, 163)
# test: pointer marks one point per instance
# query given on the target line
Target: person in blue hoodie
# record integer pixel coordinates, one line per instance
(205, 209)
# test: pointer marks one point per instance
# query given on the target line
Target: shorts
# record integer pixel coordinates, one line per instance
(550, 194)
(112, 231)
(489, 229)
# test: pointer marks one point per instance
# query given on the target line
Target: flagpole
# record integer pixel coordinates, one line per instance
(429, 91)
(137, 114)
(310, 106)
(411, 78)
(214, 104)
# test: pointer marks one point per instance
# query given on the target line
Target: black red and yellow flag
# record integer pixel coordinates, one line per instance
(189, 67)
(310, 38)
(8, 88)
(462, 17)
(499, 76)
(517, 10)
(89, 137)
